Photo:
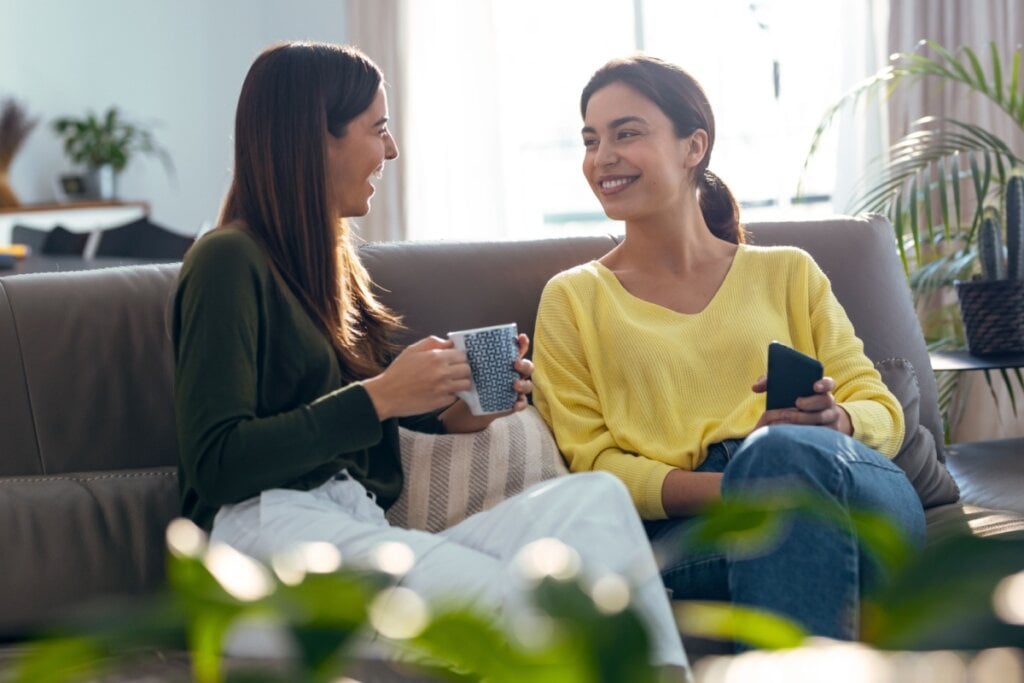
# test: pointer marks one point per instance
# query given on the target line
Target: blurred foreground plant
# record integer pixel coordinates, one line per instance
(576, 635)
(961, 592)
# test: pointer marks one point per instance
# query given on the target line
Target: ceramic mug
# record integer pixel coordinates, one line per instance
(492, 353)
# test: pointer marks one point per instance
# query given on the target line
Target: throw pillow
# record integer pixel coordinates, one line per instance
(62, 242)
(449, 477)
(917, 456)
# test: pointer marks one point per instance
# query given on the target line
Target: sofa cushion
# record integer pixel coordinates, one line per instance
(989, 472)
(74, 537)
(449, 477)
(917, 456)
(950, 520)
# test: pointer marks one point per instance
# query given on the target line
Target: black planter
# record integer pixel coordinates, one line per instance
(993, 315)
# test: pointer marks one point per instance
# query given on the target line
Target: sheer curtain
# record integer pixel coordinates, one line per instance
(453, 96)
(862, 139)
(378, 29)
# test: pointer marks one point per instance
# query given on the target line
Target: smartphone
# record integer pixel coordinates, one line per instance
(791, 375)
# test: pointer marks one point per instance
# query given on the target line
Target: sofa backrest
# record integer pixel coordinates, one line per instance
(86, 371)
(86, 366)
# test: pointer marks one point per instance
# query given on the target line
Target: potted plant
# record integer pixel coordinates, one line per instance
(992, 302)
(105, 145)
(14, 128)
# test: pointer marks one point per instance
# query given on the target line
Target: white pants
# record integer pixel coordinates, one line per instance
(471, 561)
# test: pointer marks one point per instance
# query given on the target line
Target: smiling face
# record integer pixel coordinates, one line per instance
(357, 157)
(635, 163)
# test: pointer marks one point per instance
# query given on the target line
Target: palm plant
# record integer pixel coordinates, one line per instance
(939, 176)
(937, 180)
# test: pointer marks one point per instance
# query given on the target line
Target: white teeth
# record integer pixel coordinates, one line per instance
(618, 182)
(379, 173)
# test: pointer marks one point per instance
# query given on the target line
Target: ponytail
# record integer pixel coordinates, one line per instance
(719, 208)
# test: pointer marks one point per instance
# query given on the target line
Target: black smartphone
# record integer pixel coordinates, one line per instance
(791, 375)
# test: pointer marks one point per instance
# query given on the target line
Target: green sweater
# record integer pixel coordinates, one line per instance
(259, 395)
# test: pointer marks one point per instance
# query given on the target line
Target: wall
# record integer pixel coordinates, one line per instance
(178, 65)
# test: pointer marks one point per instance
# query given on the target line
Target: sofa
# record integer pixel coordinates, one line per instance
(87, 464)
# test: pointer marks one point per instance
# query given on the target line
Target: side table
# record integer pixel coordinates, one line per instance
(959, 361)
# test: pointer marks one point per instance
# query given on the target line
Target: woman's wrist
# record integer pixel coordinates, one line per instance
(378, 397)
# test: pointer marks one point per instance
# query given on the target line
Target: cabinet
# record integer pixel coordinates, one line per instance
(76, 217)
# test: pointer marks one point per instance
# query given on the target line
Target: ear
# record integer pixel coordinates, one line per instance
(697, 147)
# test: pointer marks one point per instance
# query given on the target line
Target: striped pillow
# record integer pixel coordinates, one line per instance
(449, 477)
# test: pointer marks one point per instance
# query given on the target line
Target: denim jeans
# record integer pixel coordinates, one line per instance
(816, 570)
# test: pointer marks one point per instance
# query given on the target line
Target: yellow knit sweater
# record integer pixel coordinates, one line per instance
(637, 389)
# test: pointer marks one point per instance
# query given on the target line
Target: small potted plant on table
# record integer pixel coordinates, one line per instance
(104, 145)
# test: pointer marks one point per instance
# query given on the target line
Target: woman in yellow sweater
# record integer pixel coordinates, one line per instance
(645, 359)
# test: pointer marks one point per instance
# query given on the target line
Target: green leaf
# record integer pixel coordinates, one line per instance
(1014, 87)
(58, 661)
(943, 598)
(979, 81)
(915, 230)
(943, 191)
(726, 621)
(997, 71)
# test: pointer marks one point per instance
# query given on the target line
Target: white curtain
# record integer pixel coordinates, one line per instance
(863, 138)
(444, 77)
(377, 27)
(453, 86)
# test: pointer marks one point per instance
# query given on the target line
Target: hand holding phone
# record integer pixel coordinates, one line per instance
(791, 375)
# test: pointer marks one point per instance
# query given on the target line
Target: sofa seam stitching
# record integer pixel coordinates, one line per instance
(22, 480)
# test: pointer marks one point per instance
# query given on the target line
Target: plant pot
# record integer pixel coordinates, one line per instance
(101, 182)
(993, 315)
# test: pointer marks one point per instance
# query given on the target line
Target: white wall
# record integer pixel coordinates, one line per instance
(178, 64)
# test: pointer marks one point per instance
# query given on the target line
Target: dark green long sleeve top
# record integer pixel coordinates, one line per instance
(259, 396)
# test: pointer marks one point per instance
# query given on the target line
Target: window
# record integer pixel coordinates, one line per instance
(497, 86)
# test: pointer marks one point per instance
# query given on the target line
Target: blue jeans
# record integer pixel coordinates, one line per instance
(816, 571)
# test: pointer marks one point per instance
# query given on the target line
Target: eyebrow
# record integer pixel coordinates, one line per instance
(621, 121)
(381, 121)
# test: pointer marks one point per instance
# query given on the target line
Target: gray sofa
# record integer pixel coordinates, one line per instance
(87, 476)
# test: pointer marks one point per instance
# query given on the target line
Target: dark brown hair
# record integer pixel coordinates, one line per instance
(679, 96)
(293, 95)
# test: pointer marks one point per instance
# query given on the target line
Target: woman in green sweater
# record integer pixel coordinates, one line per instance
(289, 393)
(645, 360)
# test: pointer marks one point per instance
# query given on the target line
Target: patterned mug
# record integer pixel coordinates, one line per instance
(492, 353)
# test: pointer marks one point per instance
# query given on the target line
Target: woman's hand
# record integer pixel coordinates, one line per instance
(458, 419)
(425, 376)
(819, 409)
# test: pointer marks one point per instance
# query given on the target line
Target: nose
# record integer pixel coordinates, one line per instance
(390, 147)
(605, 155)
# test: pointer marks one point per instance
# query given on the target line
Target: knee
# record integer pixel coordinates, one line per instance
(789, 452)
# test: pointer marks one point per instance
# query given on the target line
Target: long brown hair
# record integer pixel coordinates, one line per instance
(292, 96)
(679, 96)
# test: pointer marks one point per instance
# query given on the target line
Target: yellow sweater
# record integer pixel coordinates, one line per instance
(637, 389)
